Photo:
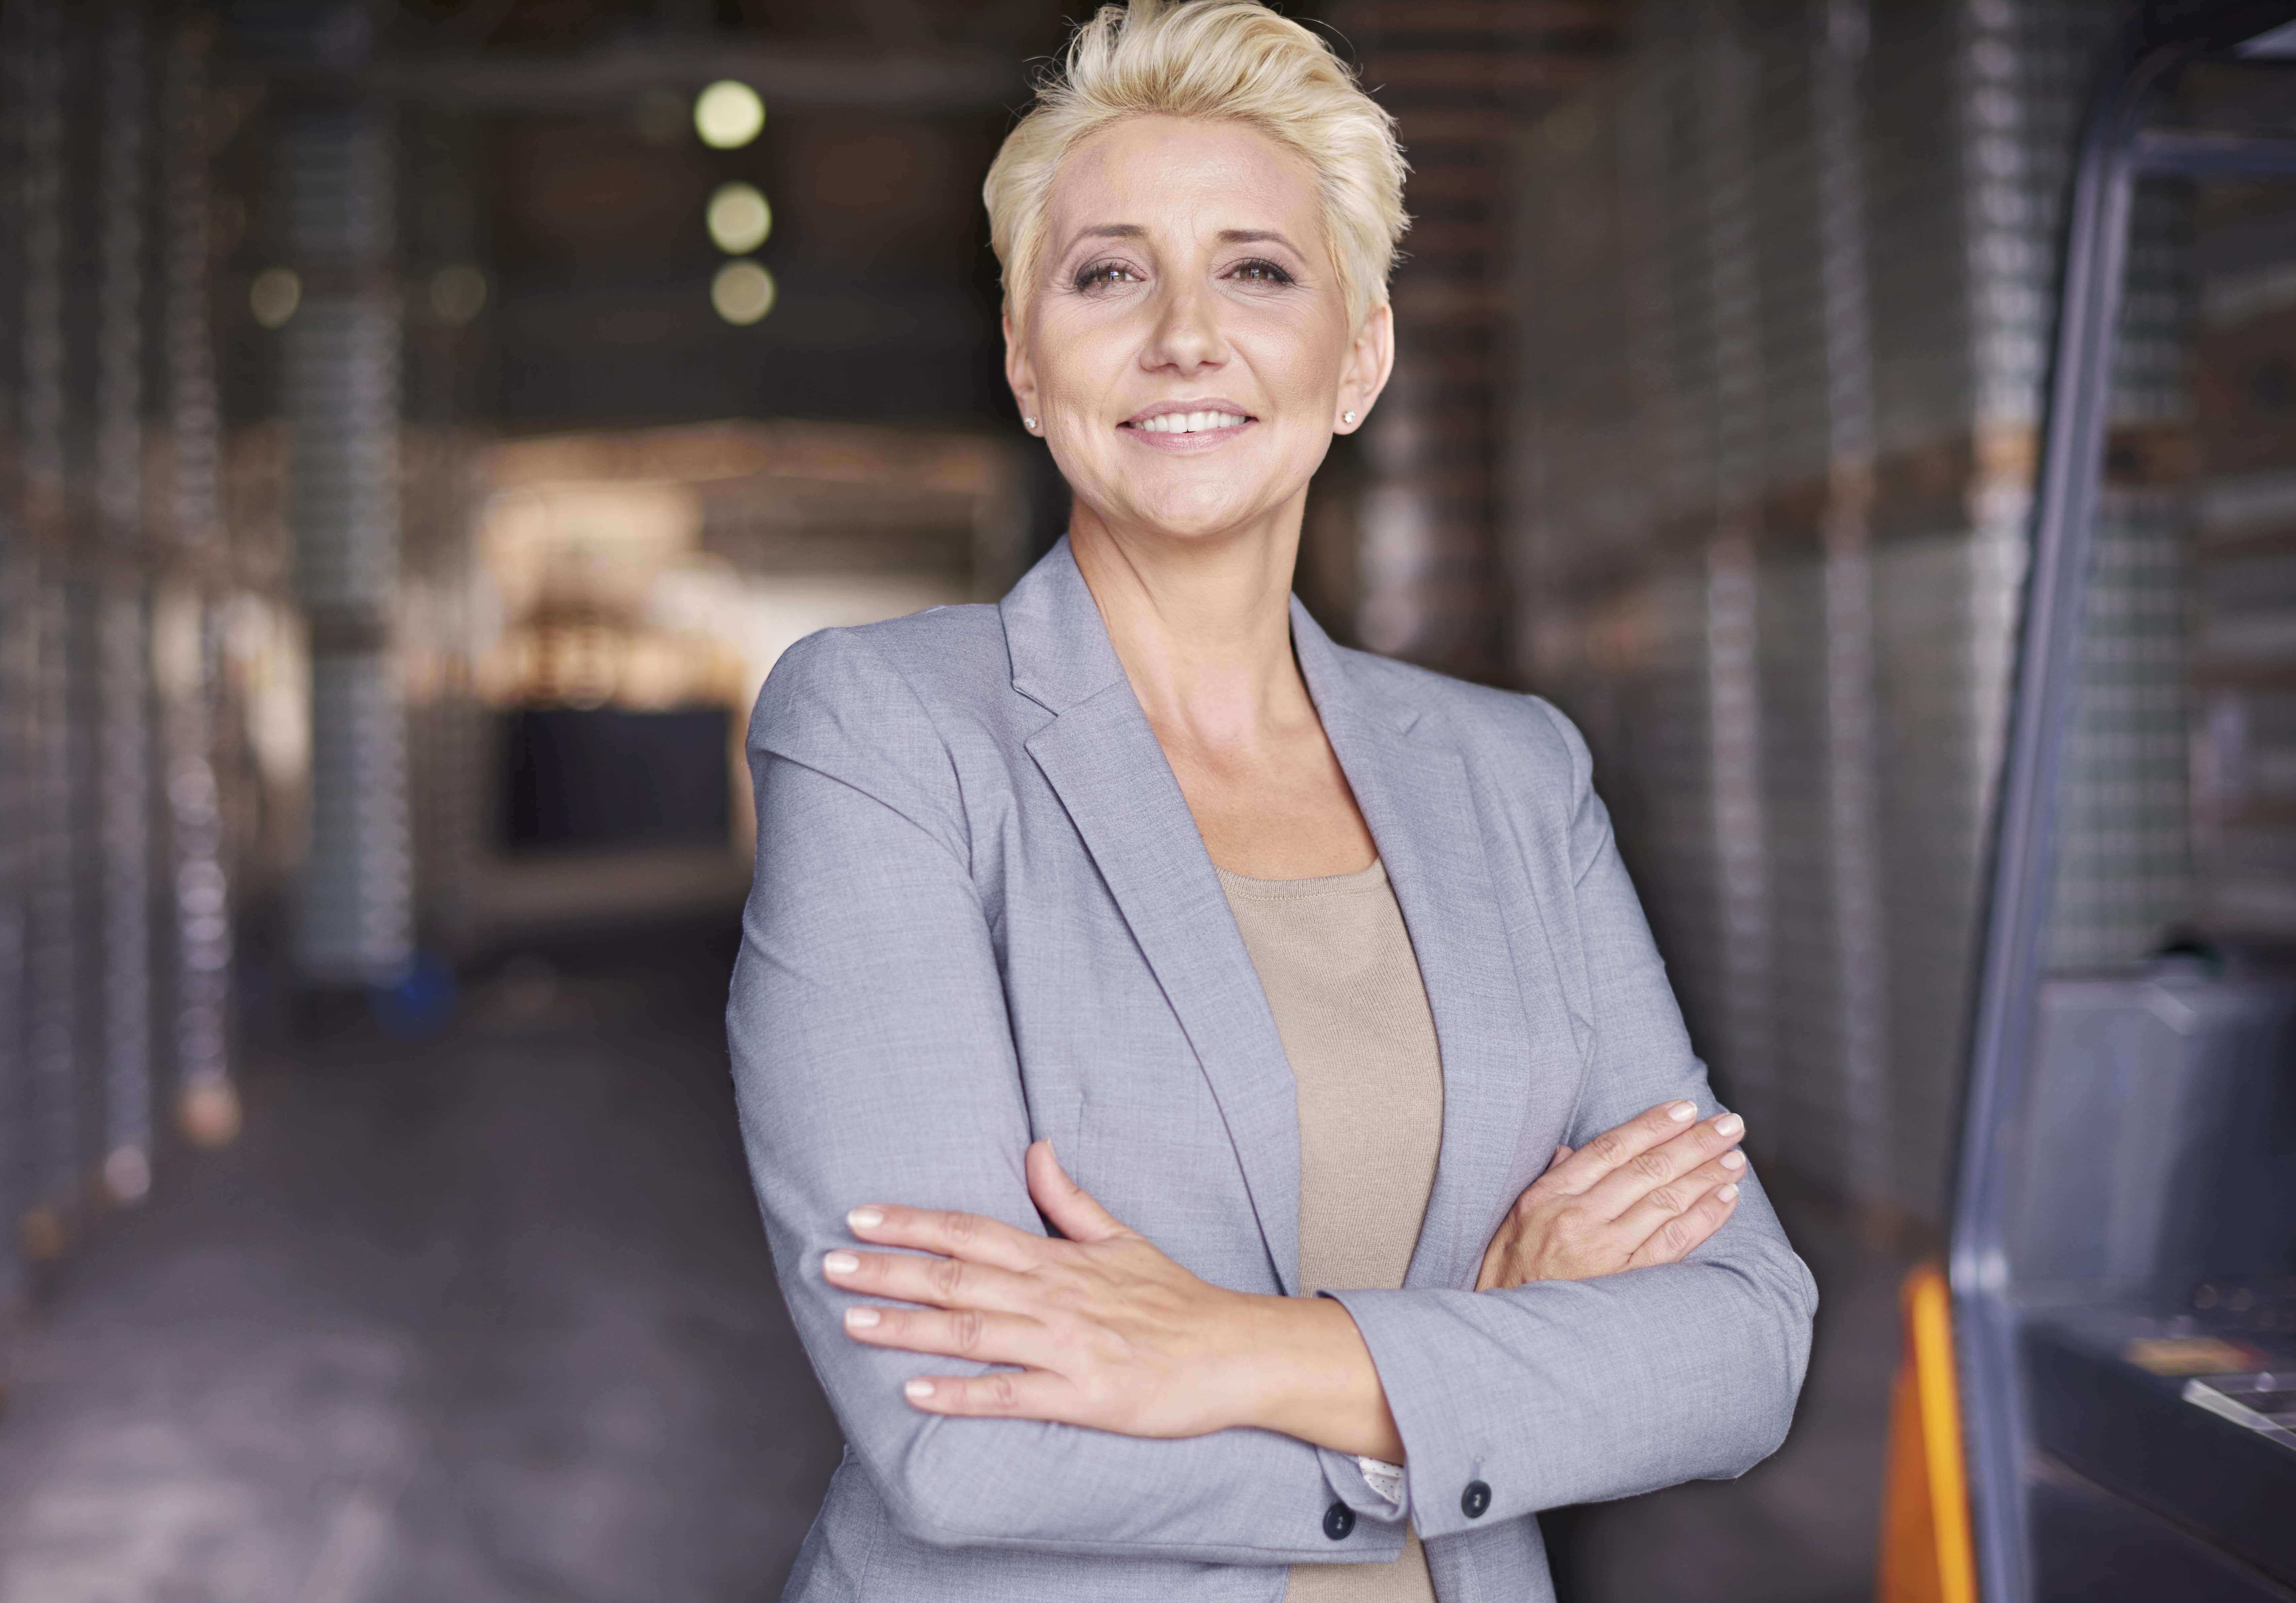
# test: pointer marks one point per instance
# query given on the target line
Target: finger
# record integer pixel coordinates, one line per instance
(958, 1333)
(1561, 1152)
(1590, 1163)
(934, 1282)
(1680, 1236)
(1002, 1393)
(1677, 1196)
(1070, 1209)
(949, 1232)
(1625, 1187)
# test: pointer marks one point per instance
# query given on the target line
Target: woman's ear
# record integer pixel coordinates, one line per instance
(1020, 372)
(1371, 359)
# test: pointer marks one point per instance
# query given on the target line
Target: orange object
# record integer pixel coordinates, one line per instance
(1926, 1552)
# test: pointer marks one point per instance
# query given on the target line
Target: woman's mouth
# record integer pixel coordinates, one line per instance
(1190, 422)
(1187, 425)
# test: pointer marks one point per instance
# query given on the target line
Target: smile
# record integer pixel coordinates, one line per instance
(1189, 423)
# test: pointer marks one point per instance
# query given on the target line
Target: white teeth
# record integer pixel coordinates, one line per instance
(1188, 422)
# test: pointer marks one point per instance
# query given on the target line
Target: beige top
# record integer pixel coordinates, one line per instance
(1341, 979)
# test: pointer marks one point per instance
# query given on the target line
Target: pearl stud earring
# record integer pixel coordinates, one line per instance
(1028, 423)
(1347, 417)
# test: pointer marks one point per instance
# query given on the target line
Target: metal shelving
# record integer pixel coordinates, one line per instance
(114, 948)
(1783, 294)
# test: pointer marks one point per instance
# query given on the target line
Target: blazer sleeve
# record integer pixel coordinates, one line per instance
(873, 1062)
(1576, 1391)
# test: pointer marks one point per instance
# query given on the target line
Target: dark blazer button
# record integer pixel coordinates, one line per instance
(1338, 1519)
(1475, 1499)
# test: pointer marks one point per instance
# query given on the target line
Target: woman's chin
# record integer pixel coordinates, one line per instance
(1195, 514)
(1195, 525)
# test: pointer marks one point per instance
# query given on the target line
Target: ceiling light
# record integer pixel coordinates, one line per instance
(742, 292)
(273, 296)
(739, 218)
(728, 114)
(458, 293)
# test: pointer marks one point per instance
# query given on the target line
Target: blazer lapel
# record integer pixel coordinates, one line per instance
(1102, 757)
(1414, 788)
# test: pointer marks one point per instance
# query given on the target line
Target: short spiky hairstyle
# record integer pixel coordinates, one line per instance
(1234, 60)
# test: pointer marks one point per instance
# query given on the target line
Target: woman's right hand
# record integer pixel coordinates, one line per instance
(1647, 1192)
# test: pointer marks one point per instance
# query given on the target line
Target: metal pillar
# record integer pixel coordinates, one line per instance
(48, 1164)
(1861, 996)
(1735, 710)
(122, 650)
(16, 132)
(189, 651)
(339, 390)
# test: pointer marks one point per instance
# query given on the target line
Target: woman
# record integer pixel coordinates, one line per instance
(1128, 964)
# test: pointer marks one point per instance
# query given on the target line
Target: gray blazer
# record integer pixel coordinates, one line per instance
(982, 913)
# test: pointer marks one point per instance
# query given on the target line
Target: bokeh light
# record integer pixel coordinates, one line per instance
(742, 292)
(458, 293)
(739, 219)
(127, 1173)
(273, 296)
(728, 114)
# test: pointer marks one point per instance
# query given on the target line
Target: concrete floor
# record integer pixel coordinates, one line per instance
(489, 1317)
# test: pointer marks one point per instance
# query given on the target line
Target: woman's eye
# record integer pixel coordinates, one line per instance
(1260, 273)
(1105, 273)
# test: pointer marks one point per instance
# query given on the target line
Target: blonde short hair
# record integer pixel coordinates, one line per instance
(1234, 60)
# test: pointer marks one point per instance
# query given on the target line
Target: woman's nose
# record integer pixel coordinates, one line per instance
(1187, 337)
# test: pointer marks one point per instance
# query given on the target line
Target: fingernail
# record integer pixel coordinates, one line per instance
(840, 1263)
(1734, 1160)
(1728, 1193)
(1729, 1123)
(919, 1388)
(1681, 1112)
(866, 1218)
(863, 1318)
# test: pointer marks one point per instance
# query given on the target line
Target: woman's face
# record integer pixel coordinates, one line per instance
(1187, 350)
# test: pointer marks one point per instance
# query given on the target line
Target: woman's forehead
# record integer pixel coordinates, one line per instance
(1191, 176)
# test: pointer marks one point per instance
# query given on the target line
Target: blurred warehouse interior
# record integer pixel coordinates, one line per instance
(423, 423)
(424, 416)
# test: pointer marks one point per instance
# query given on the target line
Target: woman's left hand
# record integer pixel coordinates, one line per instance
(1103, 1328)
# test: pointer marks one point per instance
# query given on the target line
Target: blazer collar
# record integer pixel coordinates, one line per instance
(1061, 651)
(1102, 757)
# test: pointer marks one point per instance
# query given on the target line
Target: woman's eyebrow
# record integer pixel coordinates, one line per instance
(1256, 236)
(1227, 236)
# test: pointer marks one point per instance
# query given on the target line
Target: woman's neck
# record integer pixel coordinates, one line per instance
(1203, 627)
